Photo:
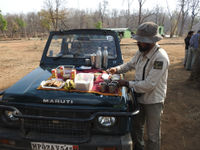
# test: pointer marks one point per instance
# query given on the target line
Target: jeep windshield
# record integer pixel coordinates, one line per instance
(80, 45)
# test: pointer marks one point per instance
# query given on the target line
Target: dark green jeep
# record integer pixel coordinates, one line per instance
(37, 119)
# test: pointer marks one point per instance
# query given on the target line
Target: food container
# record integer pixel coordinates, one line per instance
(105, 76)
(115, 77)
(84, 81)
(64, 71)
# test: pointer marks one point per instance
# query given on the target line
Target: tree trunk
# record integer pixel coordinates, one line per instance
(182, 24)
(173, 28)
(192, 22)
(163, 20)
(140, 13)
(4, 34)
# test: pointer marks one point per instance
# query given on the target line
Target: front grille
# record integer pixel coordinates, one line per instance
(73, 130)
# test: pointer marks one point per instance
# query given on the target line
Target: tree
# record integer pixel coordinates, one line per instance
(174, 20)
(3, 23)
(114, 16)
(129, 3)
(143, 14)
(33, 26)
(22, 24)
(174, 23)
(103, 10)
(159, 15)
(141, 3)
(13, 27)
(98, 25)
(195, 9)
(184, 4)
(56, 16)
(45, 20)
(56, 13)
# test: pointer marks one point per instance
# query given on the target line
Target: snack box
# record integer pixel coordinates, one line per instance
(66, 71)
(84, 81)
(67, 68)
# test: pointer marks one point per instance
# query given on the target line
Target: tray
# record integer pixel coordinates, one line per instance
(50, 87)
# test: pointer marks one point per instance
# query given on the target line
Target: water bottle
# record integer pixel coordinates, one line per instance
(105, 57)
(98, 58)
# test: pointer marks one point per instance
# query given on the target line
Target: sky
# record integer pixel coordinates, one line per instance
(25, 6)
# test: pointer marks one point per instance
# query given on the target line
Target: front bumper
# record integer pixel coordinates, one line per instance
(20, 142)
(97, 141)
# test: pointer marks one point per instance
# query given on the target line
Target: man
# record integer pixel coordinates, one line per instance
(187, 44)
(194, 44)
(196, 66)
(151, 71)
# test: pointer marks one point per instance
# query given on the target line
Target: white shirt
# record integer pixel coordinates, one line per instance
(151, 80)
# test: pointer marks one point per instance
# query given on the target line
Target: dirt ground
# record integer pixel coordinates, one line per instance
(181, 117)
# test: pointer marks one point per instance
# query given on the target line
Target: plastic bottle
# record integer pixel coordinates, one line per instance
(98, 58)
(54, 73)
(105, 57)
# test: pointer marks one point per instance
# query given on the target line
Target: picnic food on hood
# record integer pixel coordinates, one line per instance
(53, 83)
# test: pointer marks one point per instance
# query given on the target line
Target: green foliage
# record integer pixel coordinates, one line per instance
(46, 24)
(3, 23)
(21, 23)
(98, 25)
(45, 19)
(15, 26)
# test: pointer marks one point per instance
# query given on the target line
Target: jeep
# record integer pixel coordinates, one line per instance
(35, 118)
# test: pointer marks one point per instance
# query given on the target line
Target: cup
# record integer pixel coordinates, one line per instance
(87, 62)
(93, 59)
(103, 86)
(112, 87)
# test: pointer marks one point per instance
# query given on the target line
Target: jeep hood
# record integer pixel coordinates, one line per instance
(25, 91)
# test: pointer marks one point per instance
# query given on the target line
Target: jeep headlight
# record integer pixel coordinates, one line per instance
(106, 121)
(10, 115)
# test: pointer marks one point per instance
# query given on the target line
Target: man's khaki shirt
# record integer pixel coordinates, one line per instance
(151, 72)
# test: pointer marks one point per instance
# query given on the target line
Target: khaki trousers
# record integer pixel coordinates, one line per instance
(192, 53)
(151, 115)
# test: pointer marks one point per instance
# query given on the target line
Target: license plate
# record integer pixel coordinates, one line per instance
(52, 146)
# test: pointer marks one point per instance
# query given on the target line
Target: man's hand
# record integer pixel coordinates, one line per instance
(112, 70)
(123, 83)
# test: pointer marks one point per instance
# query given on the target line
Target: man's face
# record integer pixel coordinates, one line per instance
(143, 47)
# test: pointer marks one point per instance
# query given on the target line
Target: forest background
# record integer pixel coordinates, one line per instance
(58, 15)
